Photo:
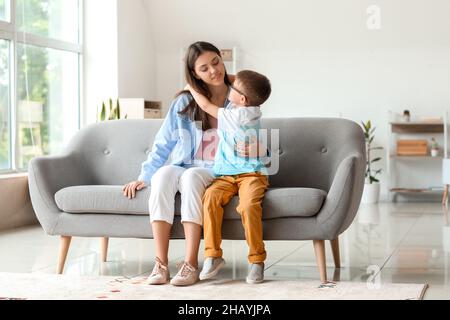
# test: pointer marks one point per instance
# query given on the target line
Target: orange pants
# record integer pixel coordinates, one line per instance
(251, 188)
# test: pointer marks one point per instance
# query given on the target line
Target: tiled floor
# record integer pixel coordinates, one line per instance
(388, 242)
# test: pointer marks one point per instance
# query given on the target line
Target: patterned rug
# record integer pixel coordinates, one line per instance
(33, 286)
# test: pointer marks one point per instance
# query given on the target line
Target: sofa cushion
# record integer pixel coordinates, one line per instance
(278, 202)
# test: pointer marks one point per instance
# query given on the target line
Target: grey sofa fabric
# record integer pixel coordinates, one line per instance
(278, 202)
(314, 195)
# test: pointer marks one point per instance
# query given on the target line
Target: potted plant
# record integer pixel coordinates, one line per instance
(434, 147)
(114, 112)
(371, 193)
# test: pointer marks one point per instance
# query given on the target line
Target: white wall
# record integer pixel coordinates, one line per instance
(119, 55)
(320, 55)
(136, 56)
(100, 61)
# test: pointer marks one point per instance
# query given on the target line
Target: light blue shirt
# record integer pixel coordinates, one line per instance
(176, 142)
(237, 125)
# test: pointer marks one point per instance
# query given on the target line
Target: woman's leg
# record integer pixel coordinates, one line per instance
(161, 234)
(193, 183)
(192, 233)
(164, 186)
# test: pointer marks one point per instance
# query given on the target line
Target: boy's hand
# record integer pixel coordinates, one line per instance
(201, 100)
(129, 190)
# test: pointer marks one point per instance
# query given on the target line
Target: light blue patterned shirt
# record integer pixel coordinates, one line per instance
(176, 142)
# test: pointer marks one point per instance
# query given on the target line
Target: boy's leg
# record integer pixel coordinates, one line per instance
(216, 196)
(251, 194)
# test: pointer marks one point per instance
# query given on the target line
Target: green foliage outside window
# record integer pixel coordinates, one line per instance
(34, 72)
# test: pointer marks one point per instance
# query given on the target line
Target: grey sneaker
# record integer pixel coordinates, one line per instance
(256, 273)
(187, 275)
(211, 267)
(160, 274)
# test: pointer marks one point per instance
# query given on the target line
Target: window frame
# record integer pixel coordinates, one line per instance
(10, 32)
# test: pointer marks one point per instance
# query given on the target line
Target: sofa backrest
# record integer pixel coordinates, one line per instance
(309, 149)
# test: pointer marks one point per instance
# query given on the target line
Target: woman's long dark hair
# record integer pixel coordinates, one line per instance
(192, 110)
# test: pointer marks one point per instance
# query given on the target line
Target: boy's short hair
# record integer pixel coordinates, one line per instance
(256, 86)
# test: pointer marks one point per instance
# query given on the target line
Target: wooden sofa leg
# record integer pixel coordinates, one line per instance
(336, 255)
(63, 249)
(104, 248)
(319, 250)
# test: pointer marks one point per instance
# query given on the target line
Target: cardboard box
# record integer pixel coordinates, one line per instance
(412, 147)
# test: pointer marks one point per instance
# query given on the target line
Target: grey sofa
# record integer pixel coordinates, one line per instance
(314, 196)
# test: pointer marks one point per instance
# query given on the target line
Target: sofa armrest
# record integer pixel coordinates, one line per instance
(344, 197)
(47, 175)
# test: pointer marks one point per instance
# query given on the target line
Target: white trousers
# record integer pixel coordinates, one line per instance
(191, 183)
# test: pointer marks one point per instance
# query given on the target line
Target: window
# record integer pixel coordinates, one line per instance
(56, 19)
(4, 10)
(5, 147)
(47, 100)
(44, 111)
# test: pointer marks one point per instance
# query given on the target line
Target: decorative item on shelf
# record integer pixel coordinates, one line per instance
(412, 147)
(406, 116)
(152, 109)
(432, 120)
(371, 193)
(114, 112)
(139, 108)
(434, 147)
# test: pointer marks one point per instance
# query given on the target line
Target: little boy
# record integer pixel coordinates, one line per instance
(237, 174)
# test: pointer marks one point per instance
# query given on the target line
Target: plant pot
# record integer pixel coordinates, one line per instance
(434, 152)
(369, 216)
(371, 193)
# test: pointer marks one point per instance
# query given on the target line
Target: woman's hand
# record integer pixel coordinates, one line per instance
(129, 190)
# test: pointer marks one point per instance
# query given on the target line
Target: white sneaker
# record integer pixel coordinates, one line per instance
(160, 274)
(211, 267)
(256, 273)
(187, 275)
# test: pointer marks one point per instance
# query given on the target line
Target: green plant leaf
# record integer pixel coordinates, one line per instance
(111, 110)
(373, 179)
(371, 139)
(375, 160)
(118, 109)
(364, 126)
(103, 112)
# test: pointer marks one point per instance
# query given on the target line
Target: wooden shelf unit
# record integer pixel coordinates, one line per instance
(412, 128)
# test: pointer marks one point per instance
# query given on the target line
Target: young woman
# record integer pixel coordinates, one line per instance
(188, 136)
